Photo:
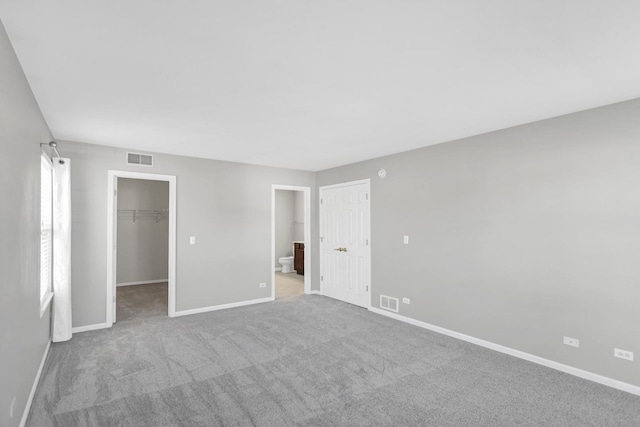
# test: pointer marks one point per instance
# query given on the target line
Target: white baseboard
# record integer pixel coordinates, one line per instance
(277, 268)
(223, 306)
(25, 414)
(89, 328)
(144, 282)
(315, 292)
(600, 379)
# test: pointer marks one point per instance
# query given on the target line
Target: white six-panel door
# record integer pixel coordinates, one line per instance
(344, 243)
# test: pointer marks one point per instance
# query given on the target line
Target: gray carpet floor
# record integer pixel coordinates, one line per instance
(306, 360)
(141, 301)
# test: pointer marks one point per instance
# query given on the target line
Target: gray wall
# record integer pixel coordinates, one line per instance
(298, 215)
(23, 334)
(518, 237)
(284, 218)
(143, 245)
(226, 205)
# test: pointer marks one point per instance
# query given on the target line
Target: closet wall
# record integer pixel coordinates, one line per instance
(143, 245)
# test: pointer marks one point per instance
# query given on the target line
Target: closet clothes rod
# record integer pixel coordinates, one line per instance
(157, 214)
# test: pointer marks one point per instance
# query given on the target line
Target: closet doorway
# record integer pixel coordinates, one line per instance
(345, 252)
(141, 246)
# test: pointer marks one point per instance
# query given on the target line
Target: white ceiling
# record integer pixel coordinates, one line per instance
(315, 84)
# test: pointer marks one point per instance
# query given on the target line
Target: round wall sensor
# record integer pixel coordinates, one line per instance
(382, 173)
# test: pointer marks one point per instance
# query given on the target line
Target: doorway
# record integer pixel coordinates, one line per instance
(345, 250)
(142, 248)
(290, 241)
(141, 230)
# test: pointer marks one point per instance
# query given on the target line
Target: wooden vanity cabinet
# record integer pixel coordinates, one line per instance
(298, 258)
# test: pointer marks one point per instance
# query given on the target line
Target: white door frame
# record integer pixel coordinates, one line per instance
(320, 220)
(112, 229)
(307, 235)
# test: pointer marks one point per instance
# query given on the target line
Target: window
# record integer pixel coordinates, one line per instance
(46, 232)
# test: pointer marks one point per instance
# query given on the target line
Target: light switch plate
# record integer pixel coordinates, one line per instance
(406, 240)
(192, 240)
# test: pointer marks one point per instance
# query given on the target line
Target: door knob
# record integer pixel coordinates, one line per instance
(341, 249)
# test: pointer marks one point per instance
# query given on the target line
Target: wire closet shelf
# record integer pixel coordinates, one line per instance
(143, 214)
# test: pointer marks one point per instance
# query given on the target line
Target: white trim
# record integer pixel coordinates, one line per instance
(315, 292)
(366, 181)
(277, 268)
(144, 282)
(111, 239)
(307, 234)
(90, 327)
(222, 306)
(600, 379)
(27, 407)
(346, 184)
(111, 231)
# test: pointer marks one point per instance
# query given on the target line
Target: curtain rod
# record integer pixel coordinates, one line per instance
(54, 145)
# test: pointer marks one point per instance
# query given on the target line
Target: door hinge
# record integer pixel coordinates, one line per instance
(367, 242)
(114, 298)
(115, 192)
(321, 239)
(367, 289)
(367, 195)
(321, 278)
(321, 200)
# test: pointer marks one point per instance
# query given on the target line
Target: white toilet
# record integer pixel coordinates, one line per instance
(287, 264)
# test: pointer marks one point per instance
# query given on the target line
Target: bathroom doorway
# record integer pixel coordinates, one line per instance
(290, 258)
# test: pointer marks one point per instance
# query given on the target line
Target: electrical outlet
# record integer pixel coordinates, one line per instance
(192, 240)
(623, 354)
(12, 407)
(406, 301)
(573, 342)
(263, 285)
(406, 240)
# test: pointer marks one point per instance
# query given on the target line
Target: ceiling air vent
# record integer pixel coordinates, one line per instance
(139, 159)
(389, 303)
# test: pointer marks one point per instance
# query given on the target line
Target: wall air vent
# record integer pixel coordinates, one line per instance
(389, 303)
(139, 159)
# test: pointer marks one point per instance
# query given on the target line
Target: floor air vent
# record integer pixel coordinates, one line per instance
(389, 303)
(139, 159)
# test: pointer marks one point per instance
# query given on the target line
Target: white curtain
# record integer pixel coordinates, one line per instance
(61, 328)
